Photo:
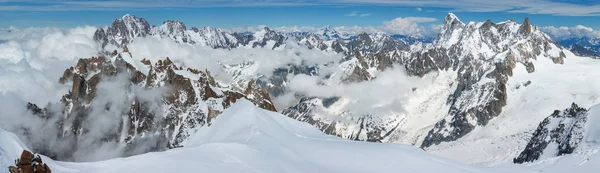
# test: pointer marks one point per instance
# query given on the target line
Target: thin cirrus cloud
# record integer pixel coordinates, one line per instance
(357, 14)
(551, 7)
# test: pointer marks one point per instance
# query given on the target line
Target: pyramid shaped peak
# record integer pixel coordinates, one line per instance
(451, 17)
(451, 21)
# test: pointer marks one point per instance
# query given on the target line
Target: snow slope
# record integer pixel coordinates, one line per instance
(248, 139)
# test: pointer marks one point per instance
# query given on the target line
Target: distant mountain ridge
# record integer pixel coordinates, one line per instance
(123, 30)
(584, 46)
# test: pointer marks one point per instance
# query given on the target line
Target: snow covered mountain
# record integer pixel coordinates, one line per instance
(156, 106)
(123, 31)
(478, 58)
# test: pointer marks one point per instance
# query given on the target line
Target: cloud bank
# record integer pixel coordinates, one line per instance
(563, 32)
(410, 26)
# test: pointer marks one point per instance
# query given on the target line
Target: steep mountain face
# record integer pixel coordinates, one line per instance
(480, 55)
(175, 30)
(123, 31)
(213, 37)
(557, 135)
(156, 106)
(584, 46)
(483, 55)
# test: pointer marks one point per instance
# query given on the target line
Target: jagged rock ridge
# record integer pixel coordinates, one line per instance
(560, 133)
(156, 104)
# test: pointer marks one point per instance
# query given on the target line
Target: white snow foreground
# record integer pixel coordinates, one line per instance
(246, 138)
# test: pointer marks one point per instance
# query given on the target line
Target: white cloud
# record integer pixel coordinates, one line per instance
(408, 26)
(365, 14)
(378, 102)
(563, 32)
(403, 25)
(201, 57)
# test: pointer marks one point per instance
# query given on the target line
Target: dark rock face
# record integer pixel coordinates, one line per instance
(563, 129)
(29, 163)
(525, 28)
(157, 108)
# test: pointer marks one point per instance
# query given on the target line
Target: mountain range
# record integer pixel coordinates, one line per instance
(472, 82)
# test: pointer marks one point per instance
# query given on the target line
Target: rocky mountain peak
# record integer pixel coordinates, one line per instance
(267, 29)
(558, 134)
(525, 28)
(174, 25)
(451, 28)
(329, 33)
(452, 20)
(123, 30)
(175, 30)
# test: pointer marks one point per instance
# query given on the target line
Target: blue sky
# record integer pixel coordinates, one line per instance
(313, 13)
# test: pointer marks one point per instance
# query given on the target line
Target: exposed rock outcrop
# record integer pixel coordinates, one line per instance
(560, 133)
(29, 163)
